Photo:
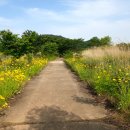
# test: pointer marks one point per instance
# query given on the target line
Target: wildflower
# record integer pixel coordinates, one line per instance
(120, 70)
(99, 77)
(5, 105)
(110, 66)
(114, 79)
(1, 97)
(119, 80)
(1, 79)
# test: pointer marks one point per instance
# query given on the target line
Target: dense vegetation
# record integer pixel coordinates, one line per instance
(14, 73)
(32, 42)
(107, 70)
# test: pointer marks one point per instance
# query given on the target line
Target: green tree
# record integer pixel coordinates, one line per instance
(30, 40)
(50, 49)
(105, 40)
(10, 43)
(95, 41)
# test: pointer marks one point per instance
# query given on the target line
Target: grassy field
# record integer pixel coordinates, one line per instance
(14, 73)
(107, 70)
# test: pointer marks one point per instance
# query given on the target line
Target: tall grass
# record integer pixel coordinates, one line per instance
(108, 71)
(101, 52)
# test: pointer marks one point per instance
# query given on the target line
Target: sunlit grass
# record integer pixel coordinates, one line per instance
(14, 73)
(108, 71)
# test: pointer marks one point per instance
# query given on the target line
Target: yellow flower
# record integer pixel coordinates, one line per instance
(127, 74)
(1, 97)
(1, 79)
(5, 105)
(99, 77)
(114, 79)
(120, 70)
(110, 66)
(119, 80)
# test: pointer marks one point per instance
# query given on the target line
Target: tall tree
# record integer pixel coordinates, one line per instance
(30, 39)
(10, 43)
(105, 40)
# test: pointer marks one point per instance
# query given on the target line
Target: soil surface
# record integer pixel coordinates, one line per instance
(55, 100)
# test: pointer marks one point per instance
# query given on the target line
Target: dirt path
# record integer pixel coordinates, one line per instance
(54, 100)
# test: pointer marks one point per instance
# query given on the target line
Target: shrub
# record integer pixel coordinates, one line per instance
(50, 49)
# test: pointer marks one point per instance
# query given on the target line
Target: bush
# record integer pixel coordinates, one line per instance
(10, 44)
(50, 49)
(68, 54)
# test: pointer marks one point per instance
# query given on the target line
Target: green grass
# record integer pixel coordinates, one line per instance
(109, 76)
(15, 72)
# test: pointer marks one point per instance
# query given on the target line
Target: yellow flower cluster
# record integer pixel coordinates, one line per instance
(14, 72)
(116, 74)
(3, 103)
(39, 61)
(17, 73)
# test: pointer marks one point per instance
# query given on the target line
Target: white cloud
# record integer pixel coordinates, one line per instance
(44, 14)
(117, 30)
(94, 9)
(84, 18)
(82, 11)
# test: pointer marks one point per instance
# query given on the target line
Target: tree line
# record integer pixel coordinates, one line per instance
(30, 42)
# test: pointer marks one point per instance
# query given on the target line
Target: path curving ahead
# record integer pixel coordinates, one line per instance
(54, 100)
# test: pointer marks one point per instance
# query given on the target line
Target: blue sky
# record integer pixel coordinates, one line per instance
(69, 18)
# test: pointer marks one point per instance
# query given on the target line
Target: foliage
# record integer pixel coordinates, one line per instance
(108, 75)
(68, 54)
(105, 41)
(124, 46)
(50, 49)
(10, 43)
(96, 42)
(31, 43)
(3, 103)
(14, 73)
